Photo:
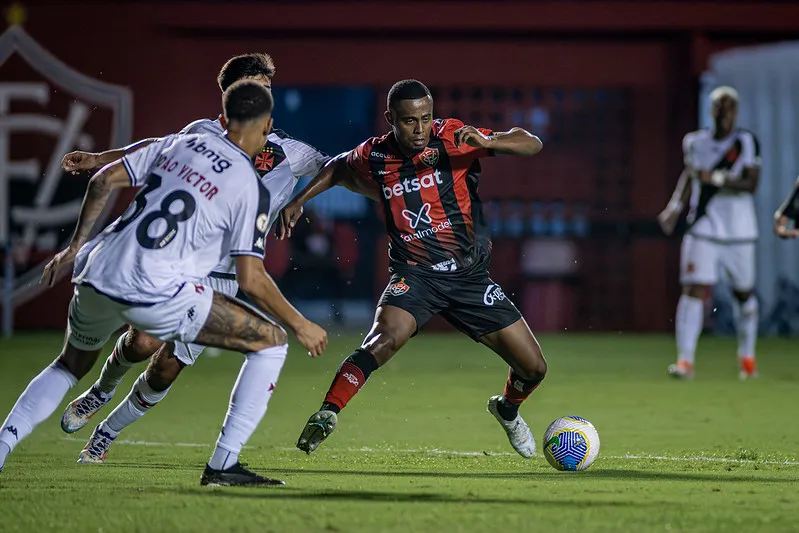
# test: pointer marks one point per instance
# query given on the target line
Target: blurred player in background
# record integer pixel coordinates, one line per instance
(425, 173)
(722, 170)
(199, 201)
(786, 216)
(280, 163)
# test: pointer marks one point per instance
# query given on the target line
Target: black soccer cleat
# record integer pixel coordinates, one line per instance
(235, 476)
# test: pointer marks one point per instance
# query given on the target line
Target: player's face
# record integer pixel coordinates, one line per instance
(724, 112)
(412, 121)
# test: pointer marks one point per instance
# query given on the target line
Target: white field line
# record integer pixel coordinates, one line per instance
(436, 451)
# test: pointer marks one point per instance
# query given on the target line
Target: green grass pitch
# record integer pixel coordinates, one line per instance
(714, 454)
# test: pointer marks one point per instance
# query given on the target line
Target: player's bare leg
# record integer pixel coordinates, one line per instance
(746, 323)
(131, 347)
(688, 326)
(390, 331)
(232, 326)
(518, 347)
(43, 395)
(150, 388)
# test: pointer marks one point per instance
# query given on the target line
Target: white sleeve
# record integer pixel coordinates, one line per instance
(305, 160)
(750, 150)
(138, 163)
(250, 221)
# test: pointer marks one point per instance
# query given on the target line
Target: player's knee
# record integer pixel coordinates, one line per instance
(139, 346)
(742, 296)
(77, 362)
(700, 292)
(383, 343)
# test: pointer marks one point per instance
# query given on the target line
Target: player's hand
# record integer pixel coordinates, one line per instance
(313, 337)
(713, 177)
(473, 137)
(77, 161)
(781, 228)
(668, 219)
(62, 258)
(288, 219)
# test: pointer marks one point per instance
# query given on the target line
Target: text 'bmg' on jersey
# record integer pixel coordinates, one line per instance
(199, 201)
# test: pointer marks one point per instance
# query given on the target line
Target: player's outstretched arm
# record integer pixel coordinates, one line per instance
(111, 177)
(516, 141)
(337, 171)
(789, 210)
(261, 289)
(671, 214)
(77, 161)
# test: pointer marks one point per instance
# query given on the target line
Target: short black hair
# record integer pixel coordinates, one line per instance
(247, 100)
(245, 66)
(407, 90)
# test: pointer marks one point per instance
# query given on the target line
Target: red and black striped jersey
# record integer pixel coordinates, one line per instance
(433, 213)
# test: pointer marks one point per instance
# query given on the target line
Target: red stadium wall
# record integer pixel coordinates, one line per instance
(653, 52)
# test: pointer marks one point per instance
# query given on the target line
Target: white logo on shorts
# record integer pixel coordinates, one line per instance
(493, 294)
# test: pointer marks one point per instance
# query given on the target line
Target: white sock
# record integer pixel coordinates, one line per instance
(5, 449)
(690, 315)
(746, 322)
(37, 402)
(248, 402)
(114, 369)
(139, 400)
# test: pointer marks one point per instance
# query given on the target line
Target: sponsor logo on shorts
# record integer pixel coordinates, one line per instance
(445, 266)
(199, 289)
(399, 288)
(85, 339)
(352, 379)
(493, 294)
(191, 313)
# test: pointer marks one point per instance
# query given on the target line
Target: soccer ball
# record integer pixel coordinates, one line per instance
(571, 443)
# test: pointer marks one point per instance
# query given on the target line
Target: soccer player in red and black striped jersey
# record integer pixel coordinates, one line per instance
(425, 174)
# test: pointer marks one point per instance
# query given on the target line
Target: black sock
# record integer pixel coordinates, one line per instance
(507, 410)
(360, 362)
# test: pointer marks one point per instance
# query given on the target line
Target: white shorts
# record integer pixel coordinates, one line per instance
(94, 317)
(187, 353)
(701, 259)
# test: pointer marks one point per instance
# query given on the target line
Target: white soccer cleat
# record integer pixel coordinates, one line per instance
(96, 450)
(519, 434)
(681, 370)
(79, 412)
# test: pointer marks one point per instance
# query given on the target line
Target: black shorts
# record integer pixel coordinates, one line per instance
(474, 304)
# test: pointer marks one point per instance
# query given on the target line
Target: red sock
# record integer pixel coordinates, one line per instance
(518, 389)
(350, 377)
